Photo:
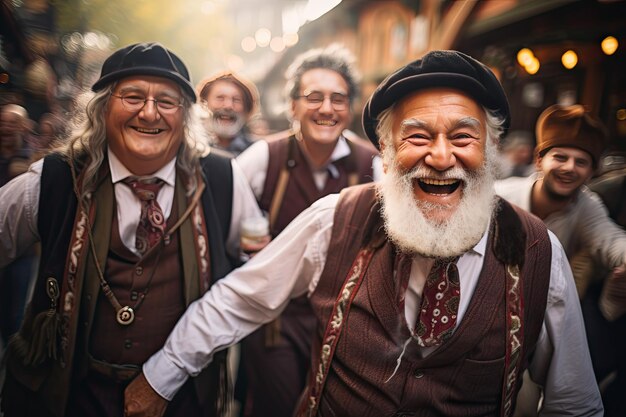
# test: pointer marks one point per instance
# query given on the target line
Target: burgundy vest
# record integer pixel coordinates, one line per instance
(301, 190)
(465, 375)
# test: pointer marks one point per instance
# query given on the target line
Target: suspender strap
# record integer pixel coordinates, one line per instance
(334, 328)
(515, 338)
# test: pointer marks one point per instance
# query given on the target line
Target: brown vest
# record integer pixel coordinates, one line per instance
(163, 305)
(465, 375)
(301, 190)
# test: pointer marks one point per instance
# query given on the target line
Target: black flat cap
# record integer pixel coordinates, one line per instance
(150, 58)
(437, 69)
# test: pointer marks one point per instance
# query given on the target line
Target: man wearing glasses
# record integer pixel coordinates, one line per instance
(286, 176)
(135, 224)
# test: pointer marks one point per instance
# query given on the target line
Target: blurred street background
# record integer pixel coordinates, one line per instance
(545, 51)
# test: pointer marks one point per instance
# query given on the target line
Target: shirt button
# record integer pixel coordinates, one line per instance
(418, 374)
(139, 270)
(134, 295)
(128, 344)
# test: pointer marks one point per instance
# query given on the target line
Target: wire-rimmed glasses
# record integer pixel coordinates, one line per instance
(315, 99)
(134, 102)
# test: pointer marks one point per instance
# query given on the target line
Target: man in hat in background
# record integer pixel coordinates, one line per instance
(231, 100)
(432, 295)
(134, 224)
(570, 142)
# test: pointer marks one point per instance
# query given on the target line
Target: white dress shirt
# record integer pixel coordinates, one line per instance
(291, 265)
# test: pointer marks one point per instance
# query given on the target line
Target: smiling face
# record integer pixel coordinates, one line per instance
(226, 101)
(144, 140)
(564, 170)
(324, 124)
(440, 133)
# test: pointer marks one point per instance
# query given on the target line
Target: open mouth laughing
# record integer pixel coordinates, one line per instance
(438, 186)
(326, 122)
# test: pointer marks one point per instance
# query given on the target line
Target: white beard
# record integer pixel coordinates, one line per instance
(407, 222)
(225, 130)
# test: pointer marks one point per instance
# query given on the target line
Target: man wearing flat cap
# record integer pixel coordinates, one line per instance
(135, 223)
(570, 142)
(432, 295)
(231, 100)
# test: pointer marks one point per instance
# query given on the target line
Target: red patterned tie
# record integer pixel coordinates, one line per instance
(440, 304)
(152, 221)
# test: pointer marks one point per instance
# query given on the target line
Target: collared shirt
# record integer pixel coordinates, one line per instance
(291, 265)
(584, 222)
(19, 205)
(255, 160)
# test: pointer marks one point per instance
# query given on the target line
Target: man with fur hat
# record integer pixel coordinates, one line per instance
(229, 101)
(432, 295)
(135, 223)
(570, 142)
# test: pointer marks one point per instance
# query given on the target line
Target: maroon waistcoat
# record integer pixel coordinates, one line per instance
(465, 375)
(128, 275)
(301, 190)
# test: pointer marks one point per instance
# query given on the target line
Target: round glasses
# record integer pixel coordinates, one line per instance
(315, 99)
(134, 102)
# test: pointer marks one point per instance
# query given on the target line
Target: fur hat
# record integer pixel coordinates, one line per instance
(145, 59)
(570, 126)
(250, 92)
(437, 69)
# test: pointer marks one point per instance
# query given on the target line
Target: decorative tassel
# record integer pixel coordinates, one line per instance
(43, 343)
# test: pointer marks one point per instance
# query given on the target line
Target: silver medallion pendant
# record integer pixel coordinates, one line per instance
(125, 316)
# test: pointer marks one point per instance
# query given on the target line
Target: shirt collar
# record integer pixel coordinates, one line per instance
(119, 171)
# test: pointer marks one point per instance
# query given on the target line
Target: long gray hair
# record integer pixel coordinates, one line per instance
(86, 145)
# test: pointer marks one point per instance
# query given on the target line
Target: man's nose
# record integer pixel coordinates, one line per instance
(440, 155)
(150, 111)
(569, 164)
(327, 106)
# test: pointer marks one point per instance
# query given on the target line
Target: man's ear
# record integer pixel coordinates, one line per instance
(538, 159)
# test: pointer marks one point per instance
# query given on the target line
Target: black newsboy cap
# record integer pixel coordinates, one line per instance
(149, 58)
(437, 69)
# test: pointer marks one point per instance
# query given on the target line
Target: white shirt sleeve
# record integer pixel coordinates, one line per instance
(245, 299)
(254, 162)
(19, 207)
(561, 363)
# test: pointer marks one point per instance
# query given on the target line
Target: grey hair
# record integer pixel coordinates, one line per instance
(85, 145)
(334, 57)
(494, 127)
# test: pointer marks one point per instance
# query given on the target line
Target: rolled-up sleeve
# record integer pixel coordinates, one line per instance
(19, 203)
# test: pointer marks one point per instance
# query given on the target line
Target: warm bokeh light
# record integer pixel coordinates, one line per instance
(277, 44)
(248, 44)
(290, 39)
(263, 37)
(609, 45)
(234, 62)
(533, 66)
(569, 59)
(525, 56)
(621, 114)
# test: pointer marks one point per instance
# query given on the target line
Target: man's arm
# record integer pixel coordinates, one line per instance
(561, 363)
(237, 305)
(19, 203)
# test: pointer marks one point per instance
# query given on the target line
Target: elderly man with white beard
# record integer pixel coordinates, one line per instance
(433, 295)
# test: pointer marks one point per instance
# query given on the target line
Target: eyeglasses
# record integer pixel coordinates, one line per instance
(134, 102)
(315, 99)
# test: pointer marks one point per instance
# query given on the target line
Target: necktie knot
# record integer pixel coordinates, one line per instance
(145, 189)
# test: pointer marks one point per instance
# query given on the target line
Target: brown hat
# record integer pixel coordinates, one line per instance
(250, 92)
(570, 127)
